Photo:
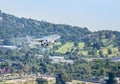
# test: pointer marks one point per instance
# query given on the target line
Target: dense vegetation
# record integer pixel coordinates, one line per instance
(75, 43)
(26, 62)
(106, 42)
(11, 26)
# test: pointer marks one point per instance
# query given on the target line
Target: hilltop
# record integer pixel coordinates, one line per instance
(12, 26)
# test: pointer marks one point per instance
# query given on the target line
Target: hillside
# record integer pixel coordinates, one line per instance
(12, 26)
(79, 53)
(74, 40)
(97, 44)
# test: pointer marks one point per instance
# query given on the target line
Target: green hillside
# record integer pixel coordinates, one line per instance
(65, 48)
(74, 40)
(12, 27)
(79, 53)
(106, 48)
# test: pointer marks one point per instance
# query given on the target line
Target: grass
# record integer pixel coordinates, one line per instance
(81, 45)
(65, 48)
(110, 46)
(115, 51)
(25, 81)
(68, 46)
(57, 43)
(105, 51)
(104, 40)
(83, 52)
(18, 81)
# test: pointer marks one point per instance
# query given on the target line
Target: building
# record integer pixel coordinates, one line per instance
(8, 47)
(57, 59)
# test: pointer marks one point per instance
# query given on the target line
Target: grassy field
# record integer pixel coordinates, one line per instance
(115, 51)
(68, 46)
(81, 46)
(34, 82)
(83, 52)
(65, 48)
(27, 81)
(57, 43)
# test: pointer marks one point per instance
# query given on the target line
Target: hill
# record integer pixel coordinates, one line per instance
(79, 53)
(11, 27)
(74, 40)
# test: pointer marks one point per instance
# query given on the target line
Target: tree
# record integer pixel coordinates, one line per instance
(76, 44)
(41, 81)
(62, 78)
(101, 53)
(119, 48)
(6, 42)
(97, 45)
(92, 52)
(111, 79)
(109, 51)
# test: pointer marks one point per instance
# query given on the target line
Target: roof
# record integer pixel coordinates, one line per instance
(10, 47)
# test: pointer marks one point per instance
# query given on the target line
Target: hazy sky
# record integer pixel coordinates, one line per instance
(93, 14)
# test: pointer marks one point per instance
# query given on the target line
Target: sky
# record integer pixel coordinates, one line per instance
(93, 14)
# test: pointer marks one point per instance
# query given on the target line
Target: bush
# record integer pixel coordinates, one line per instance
(41, 81)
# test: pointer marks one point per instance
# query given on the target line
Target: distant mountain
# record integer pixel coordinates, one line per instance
(12, 26)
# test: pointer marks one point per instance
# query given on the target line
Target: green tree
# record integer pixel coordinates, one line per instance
(101, 53)
(109, 51)
(41, 81)
(76, 44)
(111, 79)
(62, 78)
(119, 48)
